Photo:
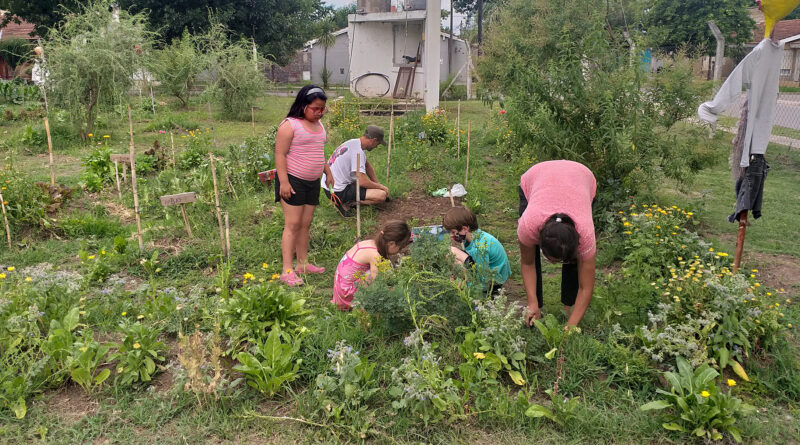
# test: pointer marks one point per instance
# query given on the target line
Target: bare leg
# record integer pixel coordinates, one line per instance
(292, 222)
(374, 196)
(301, 242)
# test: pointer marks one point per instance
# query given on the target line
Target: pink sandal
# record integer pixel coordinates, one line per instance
(291, 279)
(310, 268)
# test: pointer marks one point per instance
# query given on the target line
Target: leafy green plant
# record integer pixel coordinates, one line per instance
(561, 411)
(60, 337)
(99, 168)
(177, 67)
(421, 385)
(270, 363)
(345, 389)
(252, 312)
(494, 341)
(87, 357)
(697, 406)
(139, 353)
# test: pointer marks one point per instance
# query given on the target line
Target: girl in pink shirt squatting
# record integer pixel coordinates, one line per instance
(300, 162)
(555, 209)
(359, 265)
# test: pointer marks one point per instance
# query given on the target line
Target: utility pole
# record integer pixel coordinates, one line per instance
(480, 22)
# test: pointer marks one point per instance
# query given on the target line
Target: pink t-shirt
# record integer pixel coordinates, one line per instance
(558, 187)
(306, 156)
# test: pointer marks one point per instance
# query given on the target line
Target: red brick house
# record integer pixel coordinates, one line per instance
(13, 30)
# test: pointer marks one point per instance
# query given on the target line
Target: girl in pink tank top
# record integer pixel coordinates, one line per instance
(299, 164)
(359, 265)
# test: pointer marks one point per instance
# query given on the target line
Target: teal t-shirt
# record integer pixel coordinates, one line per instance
(488, 252)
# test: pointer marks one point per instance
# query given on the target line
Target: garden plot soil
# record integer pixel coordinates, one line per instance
(776, 271)
(427, 210)
(72, 403)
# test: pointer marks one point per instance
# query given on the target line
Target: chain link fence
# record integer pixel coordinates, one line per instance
(786, 126)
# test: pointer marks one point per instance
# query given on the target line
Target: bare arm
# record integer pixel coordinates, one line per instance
(283, 139)
(371, 172)
(585, 290)
(528, 268)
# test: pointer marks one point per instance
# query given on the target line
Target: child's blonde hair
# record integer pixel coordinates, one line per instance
(394, 230)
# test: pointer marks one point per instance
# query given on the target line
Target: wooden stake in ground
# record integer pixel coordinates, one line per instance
(133, 181)
(389, 151)
(469, 132)
(737, 256)
(213, 131)
(253, 119)
(116, 178)
(172, 143)
(152, 99)
(458, 129)
(216, 200)
(227, 237)
(5, 220)
(50, 149)
(180, 199)
(358, 196)
(452, 200)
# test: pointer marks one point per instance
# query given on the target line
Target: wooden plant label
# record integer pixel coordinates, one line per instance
(126, 158)
(180, 198)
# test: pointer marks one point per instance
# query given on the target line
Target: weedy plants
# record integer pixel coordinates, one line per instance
(422, 386)
(345, 389)
(270, 363)
(203, 374)
(697, 405)
(494, 344)
(138, 354)
(561, 411)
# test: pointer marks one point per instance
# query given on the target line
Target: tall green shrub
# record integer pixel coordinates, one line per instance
(92, 59)
(574, 89)
(178, 65)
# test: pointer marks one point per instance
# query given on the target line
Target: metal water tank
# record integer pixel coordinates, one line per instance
(415, 5)
(370, 6)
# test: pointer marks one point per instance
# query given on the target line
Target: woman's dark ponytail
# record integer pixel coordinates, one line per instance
(559, 238)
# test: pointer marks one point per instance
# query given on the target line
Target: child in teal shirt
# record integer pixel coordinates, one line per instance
(480, 248)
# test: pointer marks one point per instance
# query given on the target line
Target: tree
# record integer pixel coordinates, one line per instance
(571, 92)
(279, 27)
(674, 24)
(177, 66)
(43, 14)
(477, 8)
(92, 59)
(340, 15)
(326, 39)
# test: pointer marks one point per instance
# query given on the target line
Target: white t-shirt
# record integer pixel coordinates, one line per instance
(343, 164)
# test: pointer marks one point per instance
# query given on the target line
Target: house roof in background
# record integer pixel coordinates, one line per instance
(783, 29)
(13, 30)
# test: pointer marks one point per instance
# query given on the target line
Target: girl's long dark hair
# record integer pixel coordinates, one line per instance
(558, 238)
(303, 99)
(393, 230)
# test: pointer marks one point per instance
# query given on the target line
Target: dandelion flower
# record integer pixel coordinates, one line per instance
(248, 276)
(705, 394)
(139, 317)
(2, 276)
(11, 268)
(90, 135)
(263, 265)
(91, 257)
(28, 279)
(479, 355)
(723, 254)
(789, 325)
(731, 382)
(106, 136)
(124, 314)
(136, 345)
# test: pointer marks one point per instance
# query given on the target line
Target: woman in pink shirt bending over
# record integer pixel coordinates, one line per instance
(359, 265)
(555, 209)
(300, 162)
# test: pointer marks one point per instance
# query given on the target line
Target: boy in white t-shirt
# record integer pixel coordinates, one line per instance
(343, 168)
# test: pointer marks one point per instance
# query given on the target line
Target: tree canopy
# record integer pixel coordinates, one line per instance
(673, 24)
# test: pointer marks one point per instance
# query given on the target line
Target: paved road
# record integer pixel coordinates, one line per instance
(787, 114)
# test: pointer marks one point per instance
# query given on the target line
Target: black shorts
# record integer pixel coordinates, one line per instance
(349, 193)
(305, 192)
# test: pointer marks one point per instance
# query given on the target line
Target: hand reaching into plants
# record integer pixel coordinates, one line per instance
(534, 313)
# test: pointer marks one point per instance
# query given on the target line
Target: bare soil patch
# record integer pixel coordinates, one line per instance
(775, 271)
(426, 210)
(71, 403)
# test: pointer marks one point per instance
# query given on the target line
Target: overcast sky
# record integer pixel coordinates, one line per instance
(457, 18)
